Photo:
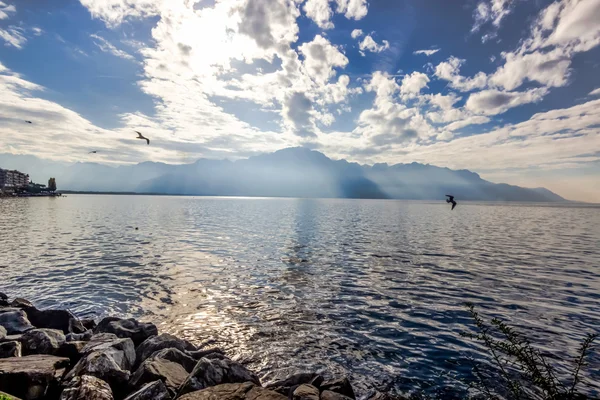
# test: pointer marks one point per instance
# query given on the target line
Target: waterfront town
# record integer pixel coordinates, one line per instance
(15, 183)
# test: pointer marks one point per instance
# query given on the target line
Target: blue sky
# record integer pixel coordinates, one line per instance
(506, 88)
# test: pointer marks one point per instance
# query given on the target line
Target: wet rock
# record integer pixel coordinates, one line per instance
(42, 341)
(162, 341)
(10, 349)
(170, 373)
(329, 395)
(198, 354)
(121, 350)
(151, 391)
(306, 392)
(3, 300)
(341, 386)
(127, 328)
(14, 320)
(285, 385)
(12, 338)
(71, 350)
(87, 388)
(208, 373)
(31, 377)
(3, 332)
(21, 303)
(62, 320)
(88, 323)
(79, 337)
(103, 366)
(176, 356)
(234, 391)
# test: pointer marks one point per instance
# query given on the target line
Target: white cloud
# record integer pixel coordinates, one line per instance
(492, 11)
(450, 71)
(114, 12)
(577, 24)
(414, 83)
(370, 45)
(320, 59)
(474, 120)
(108, 47)
(426, 52)
(13, 36)
(37, 31)
(444, 102)
(320, 12)
(595, 92)
(352, 9)
(6, 9)
(492, 102)
(298, 112)
(356, 33)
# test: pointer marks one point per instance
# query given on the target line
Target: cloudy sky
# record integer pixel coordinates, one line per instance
(506, 88)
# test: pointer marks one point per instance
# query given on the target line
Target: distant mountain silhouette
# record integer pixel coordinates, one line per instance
(292, 172)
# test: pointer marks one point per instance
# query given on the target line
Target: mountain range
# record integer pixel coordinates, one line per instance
(292, 172)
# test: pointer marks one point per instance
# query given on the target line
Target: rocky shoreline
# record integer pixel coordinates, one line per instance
(53, 355)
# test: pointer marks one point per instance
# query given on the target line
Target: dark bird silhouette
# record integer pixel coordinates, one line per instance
(450, 199)
(29, 122)
(93, 152)
(140, 136)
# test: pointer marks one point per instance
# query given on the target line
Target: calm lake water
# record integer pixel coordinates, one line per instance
(373, 289)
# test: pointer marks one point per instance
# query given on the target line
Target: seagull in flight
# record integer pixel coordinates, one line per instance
(450, 199)
(29, 122)
(93, 152)
(140, 136)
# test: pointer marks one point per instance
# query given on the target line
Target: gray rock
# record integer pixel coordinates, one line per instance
(78, 337)
(162, 341)
(10, 349)
(127, 328)
(14, 320)
(3, 333)
(42, 341)
(198, 354)
(176, 356)
(215, 372)
(71, 350)
(329, 395)
(285, 385)
(341, 386)
(170, 373)
(88, 323)
(151, 391)
(3, 300)
(306, 392)
(87, 388)
(234, 391)
(121, 350)
(31, 377)
(21, 303)
(103, 366)
(62, 320)
(12, 338)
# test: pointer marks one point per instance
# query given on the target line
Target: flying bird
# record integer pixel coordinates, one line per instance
(93, 152)
(29, 122)
(450, 199)
(140, 136)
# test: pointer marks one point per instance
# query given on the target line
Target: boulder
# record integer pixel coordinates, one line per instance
(3, 300)
(12, 338)
(31, 377)
(101, 365)
(127, 328)
(170, 373)
(42, 341)
(21, 303)
(162, 341)
(14, 320)
(71, 350)
(306, 392)
(208, 373)
(341, 386)
(151, 391)
(10, 349)
(198, 354)
(329, 395)
(121, 350)
(3, 333)
(176, 356)
(78, 337)
(234, 391)
(87, 388)
(285, 385)
(88, 323)
(62, 320)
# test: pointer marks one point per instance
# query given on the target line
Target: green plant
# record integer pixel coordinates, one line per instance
(521, 372)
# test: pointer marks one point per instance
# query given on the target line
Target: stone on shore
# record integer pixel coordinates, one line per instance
(31, 377)
(198, 354)
(10, 349)
(329, 395)
(151, 391)
(234, 391)
(42, 341)
(127, 328)
(306, 392)
(88, 323)
(3, 300)
(341, 386)
(71, 350)
(87, 387)
(21, 303)
(209, 373)
(176, 356)
(78, 337)
(172, 374)
(162, 341)
(62, 320)
(284, 386)
(14, 320)
(121, 350)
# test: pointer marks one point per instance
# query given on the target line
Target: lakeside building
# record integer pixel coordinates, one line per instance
(13, 179)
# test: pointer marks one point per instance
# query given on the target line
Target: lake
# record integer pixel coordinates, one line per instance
(368, 288)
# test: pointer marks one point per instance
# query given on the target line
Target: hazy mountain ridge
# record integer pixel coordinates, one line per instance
(293, 172)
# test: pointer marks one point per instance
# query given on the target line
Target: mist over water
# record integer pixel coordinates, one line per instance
(370, 288)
